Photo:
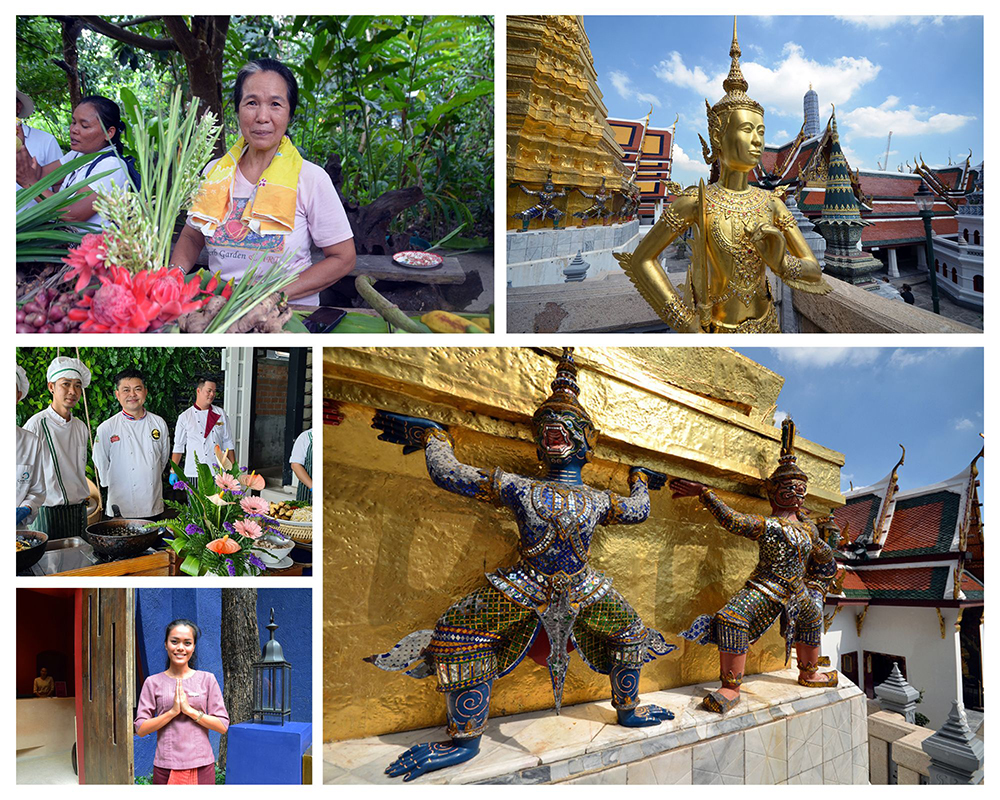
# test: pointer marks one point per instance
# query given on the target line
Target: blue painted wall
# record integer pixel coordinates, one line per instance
(292, 612)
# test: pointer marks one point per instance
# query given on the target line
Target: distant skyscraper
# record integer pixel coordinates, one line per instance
(810, 105)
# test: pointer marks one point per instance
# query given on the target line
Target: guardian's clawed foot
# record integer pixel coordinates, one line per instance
(643, 716)
(430, 756)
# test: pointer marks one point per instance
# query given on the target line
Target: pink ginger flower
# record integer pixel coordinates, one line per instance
(255, 505)
(248, 528)
(85, 260)
(128, 303)
(227, 482)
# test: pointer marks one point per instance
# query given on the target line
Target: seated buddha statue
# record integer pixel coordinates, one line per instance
(739, 231)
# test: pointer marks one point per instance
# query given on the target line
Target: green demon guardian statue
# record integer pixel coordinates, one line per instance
(551, 591)
(794, 569)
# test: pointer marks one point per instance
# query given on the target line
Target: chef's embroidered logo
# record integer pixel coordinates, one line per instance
(25, 476)
(156, 434)
(115, 439)
(217, 424)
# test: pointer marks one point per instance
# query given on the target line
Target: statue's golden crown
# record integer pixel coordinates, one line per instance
(736, 97)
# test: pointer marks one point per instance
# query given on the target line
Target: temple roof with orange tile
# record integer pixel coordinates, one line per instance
(858, 515)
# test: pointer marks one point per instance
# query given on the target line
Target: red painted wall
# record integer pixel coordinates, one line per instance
(44, 622)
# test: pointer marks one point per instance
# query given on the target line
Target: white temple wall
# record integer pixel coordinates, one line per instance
(933, 664)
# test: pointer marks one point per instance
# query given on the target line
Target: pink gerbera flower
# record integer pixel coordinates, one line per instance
(248, 528)
(227, 482)
(255, 505)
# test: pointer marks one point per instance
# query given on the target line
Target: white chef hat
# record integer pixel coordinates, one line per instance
(22, 382)
(63, 367)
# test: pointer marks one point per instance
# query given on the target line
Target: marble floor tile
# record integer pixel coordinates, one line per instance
(673, 768)
(766, 759)
(836, 730)
(615, 775)
(805, 742)
(812, 777)
(719, 761)
(859, 757)
(859, 723)
(554, 737)
(839, 770)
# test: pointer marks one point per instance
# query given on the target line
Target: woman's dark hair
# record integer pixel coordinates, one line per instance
(267, 65)
(194, 629)
(110, 116)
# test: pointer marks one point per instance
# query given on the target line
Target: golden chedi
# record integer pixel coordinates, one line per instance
(739, 231)
(557, 128)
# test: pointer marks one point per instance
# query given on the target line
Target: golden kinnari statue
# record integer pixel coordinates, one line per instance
(739, 231)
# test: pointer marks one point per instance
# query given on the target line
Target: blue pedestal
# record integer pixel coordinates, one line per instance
(260, 752)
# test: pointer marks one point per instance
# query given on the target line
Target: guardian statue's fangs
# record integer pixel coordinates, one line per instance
(552, 591)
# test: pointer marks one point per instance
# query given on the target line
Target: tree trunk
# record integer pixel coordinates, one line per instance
(240, 649)
(201, 46)
(69, 63)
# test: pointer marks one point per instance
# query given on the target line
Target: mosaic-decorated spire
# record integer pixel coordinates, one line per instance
(840, 204)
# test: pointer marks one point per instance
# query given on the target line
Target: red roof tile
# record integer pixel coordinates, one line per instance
(888, 185)
(923, 524)
(859, 513)
(898, 583)
(970, 583)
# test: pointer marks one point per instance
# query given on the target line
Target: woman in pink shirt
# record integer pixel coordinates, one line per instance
(236, 232)
(182, 705)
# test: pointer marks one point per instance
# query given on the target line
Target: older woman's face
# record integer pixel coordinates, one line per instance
(264, 111)
(85, 133)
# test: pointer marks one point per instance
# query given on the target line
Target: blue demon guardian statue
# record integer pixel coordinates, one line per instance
(551, 589)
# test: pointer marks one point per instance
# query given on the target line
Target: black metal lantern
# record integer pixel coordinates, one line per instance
(272, 682)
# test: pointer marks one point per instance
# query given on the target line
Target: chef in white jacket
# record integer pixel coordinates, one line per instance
(131, 450)
(30, 489)
(199, 429)
(64, 437)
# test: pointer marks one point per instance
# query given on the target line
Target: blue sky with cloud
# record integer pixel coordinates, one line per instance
(866, 401)
(920, 77)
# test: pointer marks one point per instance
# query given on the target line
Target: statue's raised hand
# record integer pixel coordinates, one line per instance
(411, 432)
(770, 243)
(428, 757)
(654, 480)
(685, 488)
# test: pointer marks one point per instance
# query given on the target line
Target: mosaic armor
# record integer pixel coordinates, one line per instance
(551, 591)
(552, 587)
(794, 567)
(545, 207)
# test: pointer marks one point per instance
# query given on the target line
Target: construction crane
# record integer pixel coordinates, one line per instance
(885, 165)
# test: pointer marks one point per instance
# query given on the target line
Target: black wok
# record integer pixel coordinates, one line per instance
(122, 538)
(26, 559)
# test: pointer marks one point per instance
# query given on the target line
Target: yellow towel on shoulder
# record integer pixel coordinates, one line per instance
(272, 209)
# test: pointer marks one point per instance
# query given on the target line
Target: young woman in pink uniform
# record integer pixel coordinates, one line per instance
(182, 705)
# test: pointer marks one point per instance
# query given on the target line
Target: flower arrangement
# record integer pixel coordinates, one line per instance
(216, 531)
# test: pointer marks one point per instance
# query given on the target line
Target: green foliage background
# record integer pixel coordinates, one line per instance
(169, 373)
(403, 100)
